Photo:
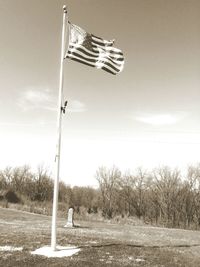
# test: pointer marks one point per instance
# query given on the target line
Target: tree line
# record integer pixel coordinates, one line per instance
(162, 196)
(38, 187)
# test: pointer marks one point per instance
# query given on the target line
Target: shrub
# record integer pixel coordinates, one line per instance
(12, 197)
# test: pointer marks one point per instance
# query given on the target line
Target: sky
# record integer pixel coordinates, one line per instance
(147, 116)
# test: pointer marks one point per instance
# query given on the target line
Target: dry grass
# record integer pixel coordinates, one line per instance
(102, 244)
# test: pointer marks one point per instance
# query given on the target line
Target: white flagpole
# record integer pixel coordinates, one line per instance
(59, 122)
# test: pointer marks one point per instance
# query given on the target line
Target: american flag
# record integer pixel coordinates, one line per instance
(94, 51)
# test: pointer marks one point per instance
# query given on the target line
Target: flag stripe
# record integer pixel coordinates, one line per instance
(92, 65)
(101, 44)
(95, 58)
(87, 52)
(80, 61)
(84, 50)
(107, 60)
(103, 68)
(113, 50)
(97, 62)
(110, 54)
(100, 40)
(82, 56)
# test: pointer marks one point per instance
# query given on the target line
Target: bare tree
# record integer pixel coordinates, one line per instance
(6, 176)
(127, 194)
(108, 180)
(43, 185)
(166, 188)
(193, 211)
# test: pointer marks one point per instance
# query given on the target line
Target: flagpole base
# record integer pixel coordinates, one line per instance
(58, 253)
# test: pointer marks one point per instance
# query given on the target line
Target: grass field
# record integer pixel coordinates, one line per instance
(102, 244)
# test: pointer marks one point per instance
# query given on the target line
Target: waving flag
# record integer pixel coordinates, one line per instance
(94, 51)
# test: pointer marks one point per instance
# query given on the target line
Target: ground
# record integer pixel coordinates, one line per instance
(101, 244)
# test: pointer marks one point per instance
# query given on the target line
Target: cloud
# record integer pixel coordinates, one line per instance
(76, 106)
(36, 99)
(160, 119)
(41, 98)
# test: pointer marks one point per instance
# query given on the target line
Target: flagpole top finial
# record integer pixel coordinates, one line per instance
(65, 9)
